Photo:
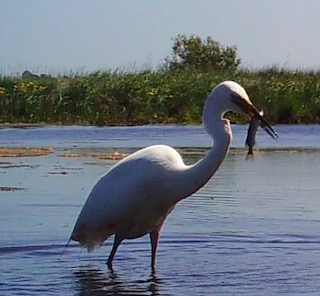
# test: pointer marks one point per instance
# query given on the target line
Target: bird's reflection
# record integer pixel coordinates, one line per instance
(93, 281)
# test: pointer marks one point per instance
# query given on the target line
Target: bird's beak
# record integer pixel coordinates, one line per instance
(249, 109)
(253, 112)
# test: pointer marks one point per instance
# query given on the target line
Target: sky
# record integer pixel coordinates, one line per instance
(80, 35)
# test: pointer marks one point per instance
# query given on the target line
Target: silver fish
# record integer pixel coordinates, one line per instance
(251, 136)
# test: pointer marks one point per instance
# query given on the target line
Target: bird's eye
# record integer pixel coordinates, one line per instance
(237, 99)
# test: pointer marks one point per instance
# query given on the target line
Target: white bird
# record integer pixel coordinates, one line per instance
(137, 194)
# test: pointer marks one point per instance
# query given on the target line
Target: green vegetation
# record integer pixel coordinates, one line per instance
(175, 93)
(202, 55)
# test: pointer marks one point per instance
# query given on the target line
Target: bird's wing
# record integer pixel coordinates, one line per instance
(117, 196)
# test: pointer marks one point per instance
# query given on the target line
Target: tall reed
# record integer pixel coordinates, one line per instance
(153, 97)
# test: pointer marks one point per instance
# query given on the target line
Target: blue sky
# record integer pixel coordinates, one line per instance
(62, 35)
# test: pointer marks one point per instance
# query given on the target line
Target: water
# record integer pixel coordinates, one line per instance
(252, 230)
(291, 136)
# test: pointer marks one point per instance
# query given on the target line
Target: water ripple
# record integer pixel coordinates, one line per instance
(252, 230)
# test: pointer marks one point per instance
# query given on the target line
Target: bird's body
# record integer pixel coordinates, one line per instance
(121, 201)
(137, 194)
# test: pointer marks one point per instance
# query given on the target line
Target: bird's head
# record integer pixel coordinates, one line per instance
(233, 97)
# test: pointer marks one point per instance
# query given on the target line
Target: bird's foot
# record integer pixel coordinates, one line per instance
(109, 264)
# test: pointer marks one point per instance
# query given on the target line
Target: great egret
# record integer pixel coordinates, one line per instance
(137, 194)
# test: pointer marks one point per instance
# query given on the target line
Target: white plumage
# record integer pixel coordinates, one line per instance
(136, 195)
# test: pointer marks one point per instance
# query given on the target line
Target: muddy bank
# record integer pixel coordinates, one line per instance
(25, 151)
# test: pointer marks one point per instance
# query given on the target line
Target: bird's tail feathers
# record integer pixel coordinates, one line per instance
(90, 239)
(66, 246)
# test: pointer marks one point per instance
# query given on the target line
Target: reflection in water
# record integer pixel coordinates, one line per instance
(92, 281)
(252, 230)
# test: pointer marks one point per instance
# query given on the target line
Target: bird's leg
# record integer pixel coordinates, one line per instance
(154, 237)
(117, 241)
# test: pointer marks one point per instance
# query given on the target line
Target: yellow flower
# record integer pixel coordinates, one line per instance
(2, 90)
(153, 92)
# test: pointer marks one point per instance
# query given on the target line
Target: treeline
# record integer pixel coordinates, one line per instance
(175, 93)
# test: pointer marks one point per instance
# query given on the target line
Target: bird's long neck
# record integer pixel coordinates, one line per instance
(195, 176)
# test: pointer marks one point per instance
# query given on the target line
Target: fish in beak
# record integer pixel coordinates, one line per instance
(251, 135)
(253, 113)
(248, 108)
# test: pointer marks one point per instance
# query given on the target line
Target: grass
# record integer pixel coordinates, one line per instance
(153, 97)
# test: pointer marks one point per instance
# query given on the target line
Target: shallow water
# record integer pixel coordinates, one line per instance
(252, 230)
(290, 136)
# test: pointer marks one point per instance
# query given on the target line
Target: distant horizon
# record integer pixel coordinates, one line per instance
(80, 36)
(38, 70)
